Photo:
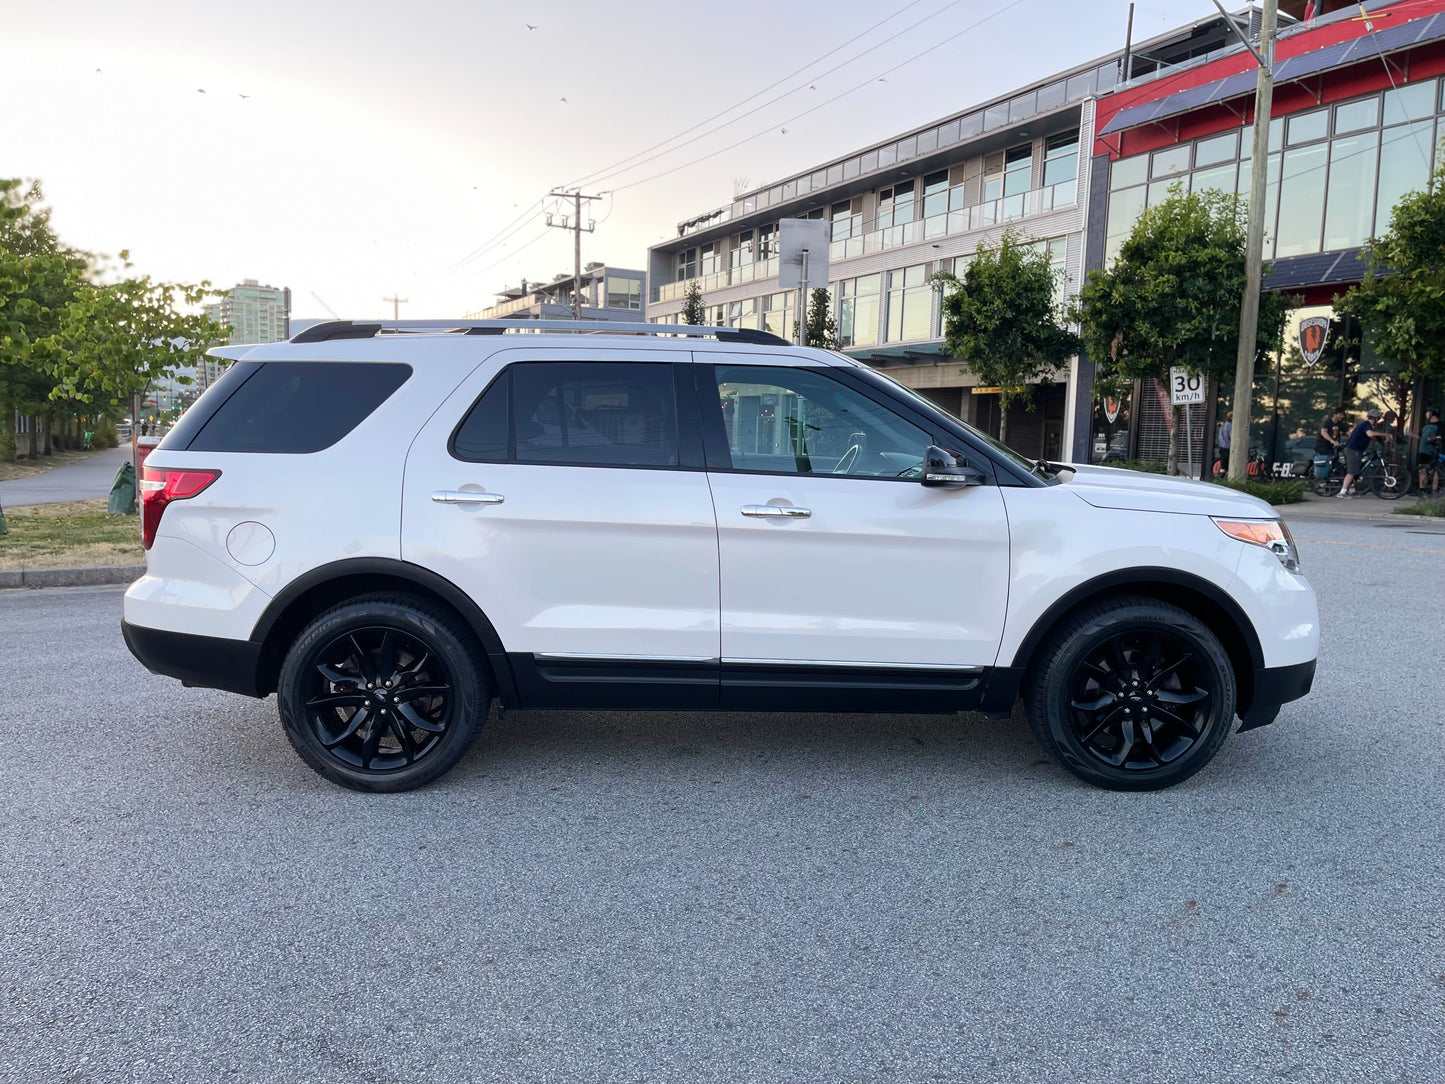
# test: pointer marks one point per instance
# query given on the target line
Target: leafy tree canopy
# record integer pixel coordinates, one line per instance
(1003, 319)
(1172, 296)
(693, 311)
(1401, 302)
(821, 330)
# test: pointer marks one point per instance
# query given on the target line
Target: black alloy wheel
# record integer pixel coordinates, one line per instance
(385, 693)
(1131, 694)
(1140, 700)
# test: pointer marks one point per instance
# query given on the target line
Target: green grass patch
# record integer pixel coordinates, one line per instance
(1281, 492)
(1434, 508)
(74, 534)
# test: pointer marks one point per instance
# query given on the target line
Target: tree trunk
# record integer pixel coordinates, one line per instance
(1002, 422)
(49, 422)
(1171, 466)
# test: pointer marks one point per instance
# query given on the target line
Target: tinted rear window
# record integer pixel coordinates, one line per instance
(299, 406)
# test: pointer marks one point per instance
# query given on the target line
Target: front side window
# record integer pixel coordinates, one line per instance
(605, 414)
(799, 421)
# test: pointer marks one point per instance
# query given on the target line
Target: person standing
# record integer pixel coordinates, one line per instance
(1327, 442)
(1224, 438)
(1430, 464)
(1355, 447)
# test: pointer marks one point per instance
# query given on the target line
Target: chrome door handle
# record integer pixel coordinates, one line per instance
(462, 496)
(774, 511)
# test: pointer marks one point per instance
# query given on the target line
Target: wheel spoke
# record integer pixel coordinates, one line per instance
(1127, 739)
(1147, 733)
(1099, 674)
(1178, 720)
(416, 719)
(416, 666)
(370, 742)
(1152, 655)
(338, 700)
(356, 722)
(1116, 650)
(403, 735)
(338, 677)
(1100, 725)
(1158, 678)
(1168, 696)
(386, 657)
(1102, 701)
(363, 660)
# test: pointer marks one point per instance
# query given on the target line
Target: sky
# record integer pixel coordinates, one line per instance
(357, 151)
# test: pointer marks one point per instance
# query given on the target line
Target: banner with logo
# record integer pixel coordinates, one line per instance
(1313, 331)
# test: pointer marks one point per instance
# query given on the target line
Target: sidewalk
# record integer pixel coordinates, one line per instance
(1360, 509)
(77, 482)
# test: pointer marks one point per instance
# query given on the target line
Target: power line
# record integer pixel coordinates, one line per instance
(887, 71)
(596, 174)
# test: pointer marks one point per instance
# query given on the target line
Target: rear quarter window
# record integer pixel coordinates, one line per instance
(295, 407)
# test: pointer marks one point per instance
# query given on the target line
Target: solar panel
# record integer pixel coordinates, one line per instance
(1291, 69)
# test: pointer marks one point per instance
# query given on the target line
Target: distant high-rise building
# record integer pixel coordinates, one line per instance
(255, 314)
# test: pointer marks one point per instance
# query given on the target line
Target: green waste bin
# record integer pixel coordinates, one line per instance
(122, 491)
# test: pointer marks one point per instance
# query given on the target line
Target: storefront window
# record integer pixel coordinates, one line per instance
(1351, 198)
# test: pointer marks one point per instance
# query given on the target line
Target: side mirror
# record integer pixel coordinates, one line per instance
(947, 469)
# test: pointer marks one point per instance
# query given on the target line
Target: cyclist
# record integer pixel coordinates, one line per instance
(1355, 447)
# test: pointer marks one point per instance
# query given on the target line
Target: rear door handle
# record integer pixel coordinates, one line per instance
(775, 511)
(463, 496)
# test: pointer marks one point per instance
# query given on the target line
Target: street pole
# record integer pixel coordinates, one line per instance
(396, 304)
(802, 304)
(576, 227)
(1254, 242)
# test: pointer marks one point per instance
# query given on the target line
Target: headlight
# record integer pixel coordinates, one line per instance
(1272, 534)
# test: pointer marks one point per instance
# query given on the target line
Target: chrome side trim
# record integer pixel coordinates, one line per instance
(860, 665)
(588, 657)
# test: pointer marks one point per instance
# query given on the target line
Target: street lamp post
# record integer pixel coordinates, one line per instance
(1254, 238)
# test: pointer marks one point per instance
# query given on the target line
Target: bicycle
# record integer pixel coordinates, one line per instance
(1385, 479)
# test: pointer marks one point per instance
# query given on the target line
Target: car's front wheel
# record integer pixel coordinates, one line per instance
(383, 693)
(1132, 694)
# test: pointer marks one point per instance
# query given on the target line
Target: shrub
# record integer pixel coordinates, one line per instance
(1149, 466)
(1425, 508)
(1280, 492)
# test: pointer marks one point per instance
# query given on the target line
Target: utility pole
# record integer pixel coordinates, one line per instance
(396, 304)
(1254, 239)
(576, 227)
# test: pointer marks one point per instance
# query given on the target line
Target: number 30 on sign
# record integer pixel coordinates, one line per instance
(1185, 387)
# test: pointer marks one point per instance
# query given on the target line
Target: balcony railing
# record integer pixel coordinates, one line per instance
(981, 216)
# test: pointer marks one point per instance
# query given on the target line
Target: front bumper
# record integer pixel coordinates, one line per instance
(1275, 686)
(206, 661)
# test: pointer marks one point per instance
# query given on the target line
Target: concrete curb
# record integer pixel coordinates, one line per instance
(12, 578)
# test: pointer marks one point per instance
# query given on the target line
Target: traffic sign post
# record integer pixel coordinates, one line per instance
(1185, 389)
(803, 261)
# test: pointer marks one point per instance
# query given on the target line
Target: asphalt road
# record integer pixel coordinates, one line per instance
(78, 482)
(725, 897)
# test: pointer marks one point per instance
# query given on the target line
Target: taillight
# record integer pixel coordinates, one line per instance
(161, 485)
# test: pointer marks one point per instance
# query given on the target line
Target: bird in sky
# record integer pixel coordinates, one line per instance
(199, 91)
(561, 99)
(882, 80)
(239, 95)
(529, 26)
(97, 71)
(783, 130)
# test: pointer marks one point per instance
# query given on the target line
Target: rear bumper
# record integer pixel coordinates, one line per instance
(1273, 687)
(206, 661)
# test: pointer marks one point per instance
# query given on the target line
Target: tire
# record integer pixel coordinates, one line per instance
(368, 659)
(1390, 482)
(1113, 665)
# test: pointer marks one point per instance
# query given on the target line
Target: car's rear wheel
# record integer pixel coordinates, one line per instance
(383, 693)
(1132, 694)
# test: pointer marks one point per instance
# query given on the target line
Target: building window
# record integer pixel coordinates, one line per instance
(741, 253)
(1061, 159)
(780, 310)
(910, 300)
(707, 258)
(624, 293)
(895, 206)
(857, 314)
(686, 265)
(767, 242)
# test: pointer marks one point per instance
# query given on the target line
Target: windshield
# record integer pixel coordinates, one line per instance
(1022, 462)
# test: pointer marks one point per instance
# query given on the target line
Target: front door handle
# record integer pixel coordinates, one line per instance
(776, 511)
(463, 496)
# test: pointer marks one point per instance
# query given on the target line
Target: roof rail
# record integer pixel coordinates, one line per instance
(347, 329)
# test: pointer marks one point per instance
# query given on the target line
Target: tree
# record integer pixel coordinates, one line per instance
(1401, 301)
(36, 283)
(116, 339)
(1172, 298)
(821, 330)
(693, 311)
(1004, 322)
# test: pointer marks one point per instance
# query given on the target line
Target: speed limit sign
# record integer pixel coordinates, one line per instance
(1185, 387)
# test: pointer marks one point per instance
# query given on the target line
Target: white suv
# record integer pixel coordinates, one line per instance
(392, 525)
